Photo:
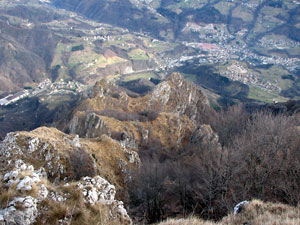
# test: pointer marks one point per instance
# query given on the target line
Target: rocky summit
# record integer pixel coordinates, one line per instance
(167, 114)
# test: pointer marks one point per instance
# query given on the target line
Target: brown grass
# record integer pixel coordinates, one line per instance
(74, 211)
(254, 213)
(189, 221)
(34, 192)
(5, 197)
(104, 152)
(75, 195)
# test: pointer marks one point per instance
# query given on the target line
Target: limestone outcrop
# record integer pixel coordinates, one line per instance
(48, 177)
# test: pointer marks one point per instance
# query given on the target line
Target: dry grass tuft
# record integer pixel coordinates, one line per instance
(258, 212)
(74, 211)
(34, 192)
(189, 221)
(58, 211)
(254, 213)
(75, 195)
(5, 197)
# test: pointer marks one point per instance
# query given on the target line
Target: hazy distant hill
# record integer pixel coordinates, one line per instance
(280, 17)
(38, 41)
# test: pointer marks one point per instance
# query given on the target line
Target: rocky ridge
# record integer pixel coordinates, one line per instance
(167, 114)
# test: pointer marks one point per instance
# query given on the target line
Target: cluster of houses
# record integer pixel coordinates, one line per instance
(44, 87)
(14, 98)
(239, 73)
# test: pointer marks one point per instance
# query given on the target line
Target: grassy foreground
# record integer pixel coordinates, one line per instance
(255, 213)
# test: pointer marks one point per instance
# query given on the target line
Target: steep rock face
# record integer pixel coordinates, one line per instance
(46, 168)
(178, 96)
(168, 114)
(91, 126)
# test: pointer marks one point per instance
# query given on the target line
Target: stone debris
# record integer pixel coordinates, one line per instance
(23, 183)
(96, 189)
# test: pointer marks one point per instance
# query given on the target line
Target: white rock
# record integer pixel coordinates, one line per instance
(33, 144)
(96, 189)
(25, 184)
(92, 196)
(23, 167)
(76, 142)
(24, 214)
(57, 197)
(18, 163)
(30, 168)
(43, 192)
(10, 175)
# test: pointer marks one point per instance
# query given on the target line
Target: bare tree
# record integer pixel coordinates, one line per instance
(229, 123)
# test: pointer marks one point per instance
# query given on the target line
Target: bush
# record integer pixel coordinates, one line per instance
(82, 164)
(263, 156)
(149, 115)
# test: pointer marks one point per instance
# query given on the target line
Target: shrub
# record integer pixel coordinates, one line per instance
(149, 115)
(82, 164)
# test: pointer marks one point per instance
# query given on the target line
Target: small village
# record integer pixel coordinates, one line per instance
(237, 72)
(46, 87)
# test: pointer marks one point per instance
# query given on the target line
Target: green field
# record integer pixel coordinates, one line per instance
(138, 54)
(138, 76)
(264, 96)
